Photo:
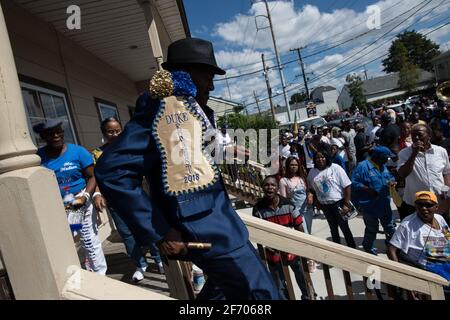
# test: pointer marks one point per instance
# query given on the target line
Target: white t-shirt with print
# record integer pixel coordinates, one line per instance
(329, 184)
(421, 242)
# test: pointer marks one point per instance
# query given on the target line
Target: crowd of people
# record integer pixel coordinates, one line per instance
(398, 161)
(339, 170)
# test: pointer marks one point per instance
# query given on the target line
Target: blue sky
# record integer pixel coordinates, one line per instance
(325, 27)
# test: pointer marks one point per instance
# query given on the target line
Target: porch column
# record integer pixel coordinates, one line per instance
(150, 11)
(35, 241)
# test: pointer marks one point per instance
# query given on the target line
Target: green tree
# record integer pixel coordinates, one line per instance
(419, 51)
(238, 108)
(244, 122)
(298, 97)
(408, 77)
(356, 91)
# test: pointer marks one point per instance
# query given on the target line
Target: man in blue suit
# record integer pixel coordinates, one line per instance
(188, 202)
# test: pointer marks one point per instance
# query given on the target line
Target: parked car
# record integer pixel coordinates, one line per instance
(366, 121)
(412, 99)
(307, 123)
(399, 109)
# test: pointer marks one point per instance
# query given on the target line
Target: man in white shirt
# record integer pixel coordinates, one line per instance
(285, 148)
(325, 135)
(349, 134)
(373, 132)
(424, 166)
(223, 138)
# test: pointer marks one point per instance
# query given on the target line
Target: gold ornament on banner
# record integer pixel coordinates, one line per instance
(161, 84)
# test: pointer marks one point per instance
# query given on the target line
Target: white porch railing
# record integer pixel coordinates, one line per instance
(349, 260)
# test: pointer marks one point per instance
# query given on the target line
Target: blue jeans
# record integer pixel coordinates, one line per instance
(308, 219)
(371, 220)
(276, 269)
(131, 246)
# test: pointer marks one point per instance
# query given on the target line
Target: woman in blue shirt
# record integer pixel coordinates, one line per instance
(111, 129)
(74, 170)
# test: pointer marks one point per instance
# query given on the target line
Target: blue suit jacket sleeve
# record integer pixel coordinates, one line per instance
(120, 171)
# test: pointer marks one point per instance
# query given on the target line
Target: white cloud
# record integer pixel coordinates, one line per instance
(440, 35)
(298, 27)
(202, 30)
(325, 63)
(295, 27)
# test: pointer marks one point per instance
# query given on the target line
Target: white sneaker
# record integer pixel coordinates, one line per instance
(138, 275)
(160, 268)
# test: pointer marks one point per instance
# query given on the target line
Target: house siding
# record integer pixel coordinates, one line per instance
(41, 53)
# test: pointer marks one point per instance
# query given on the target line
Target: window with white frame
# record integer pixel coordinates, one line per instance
(106, 109)
(43, 104)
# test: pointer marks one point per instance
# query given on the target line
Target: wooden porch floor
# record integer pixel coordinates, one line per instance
(121, 267)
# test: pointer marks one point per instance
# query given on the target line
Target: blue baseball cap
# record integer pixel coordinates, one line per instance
(380, 152)
(48, 124)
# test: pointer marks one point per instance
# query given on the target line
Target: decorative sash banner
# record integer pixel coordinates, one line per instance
(178, 130)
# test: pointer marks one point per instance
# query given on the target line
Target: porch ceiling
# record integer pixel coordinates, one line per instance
(111, 28)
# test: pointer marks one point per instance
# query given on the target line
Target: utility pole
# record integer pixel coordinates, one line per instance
(245, 108)
(365, 72)
(269, 89)
(286, 100)
(228, 86)
(257, 101)
(300, 59)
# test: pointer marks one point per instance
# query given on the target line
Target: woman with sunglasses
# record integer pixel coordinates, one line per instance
(74, 170)
(111, 129)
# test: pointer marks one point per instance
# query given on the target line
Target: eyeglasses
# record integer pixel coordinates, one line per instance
(113, 132)
(427, 205)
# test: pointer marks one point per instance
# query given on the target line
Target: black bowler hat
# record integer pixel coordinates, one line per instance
(191, 51)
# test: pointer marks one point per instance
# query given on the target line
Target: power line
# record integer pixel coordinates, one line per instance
(360, 35)
(340, 66)
(338, 44)
(359, 66)
(332, 36)
(373, 42)
(356, 25)
(349, 63)
(325, 28)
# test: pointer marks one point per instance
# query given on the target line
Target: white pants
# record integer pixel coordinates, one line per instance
(94, 257)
